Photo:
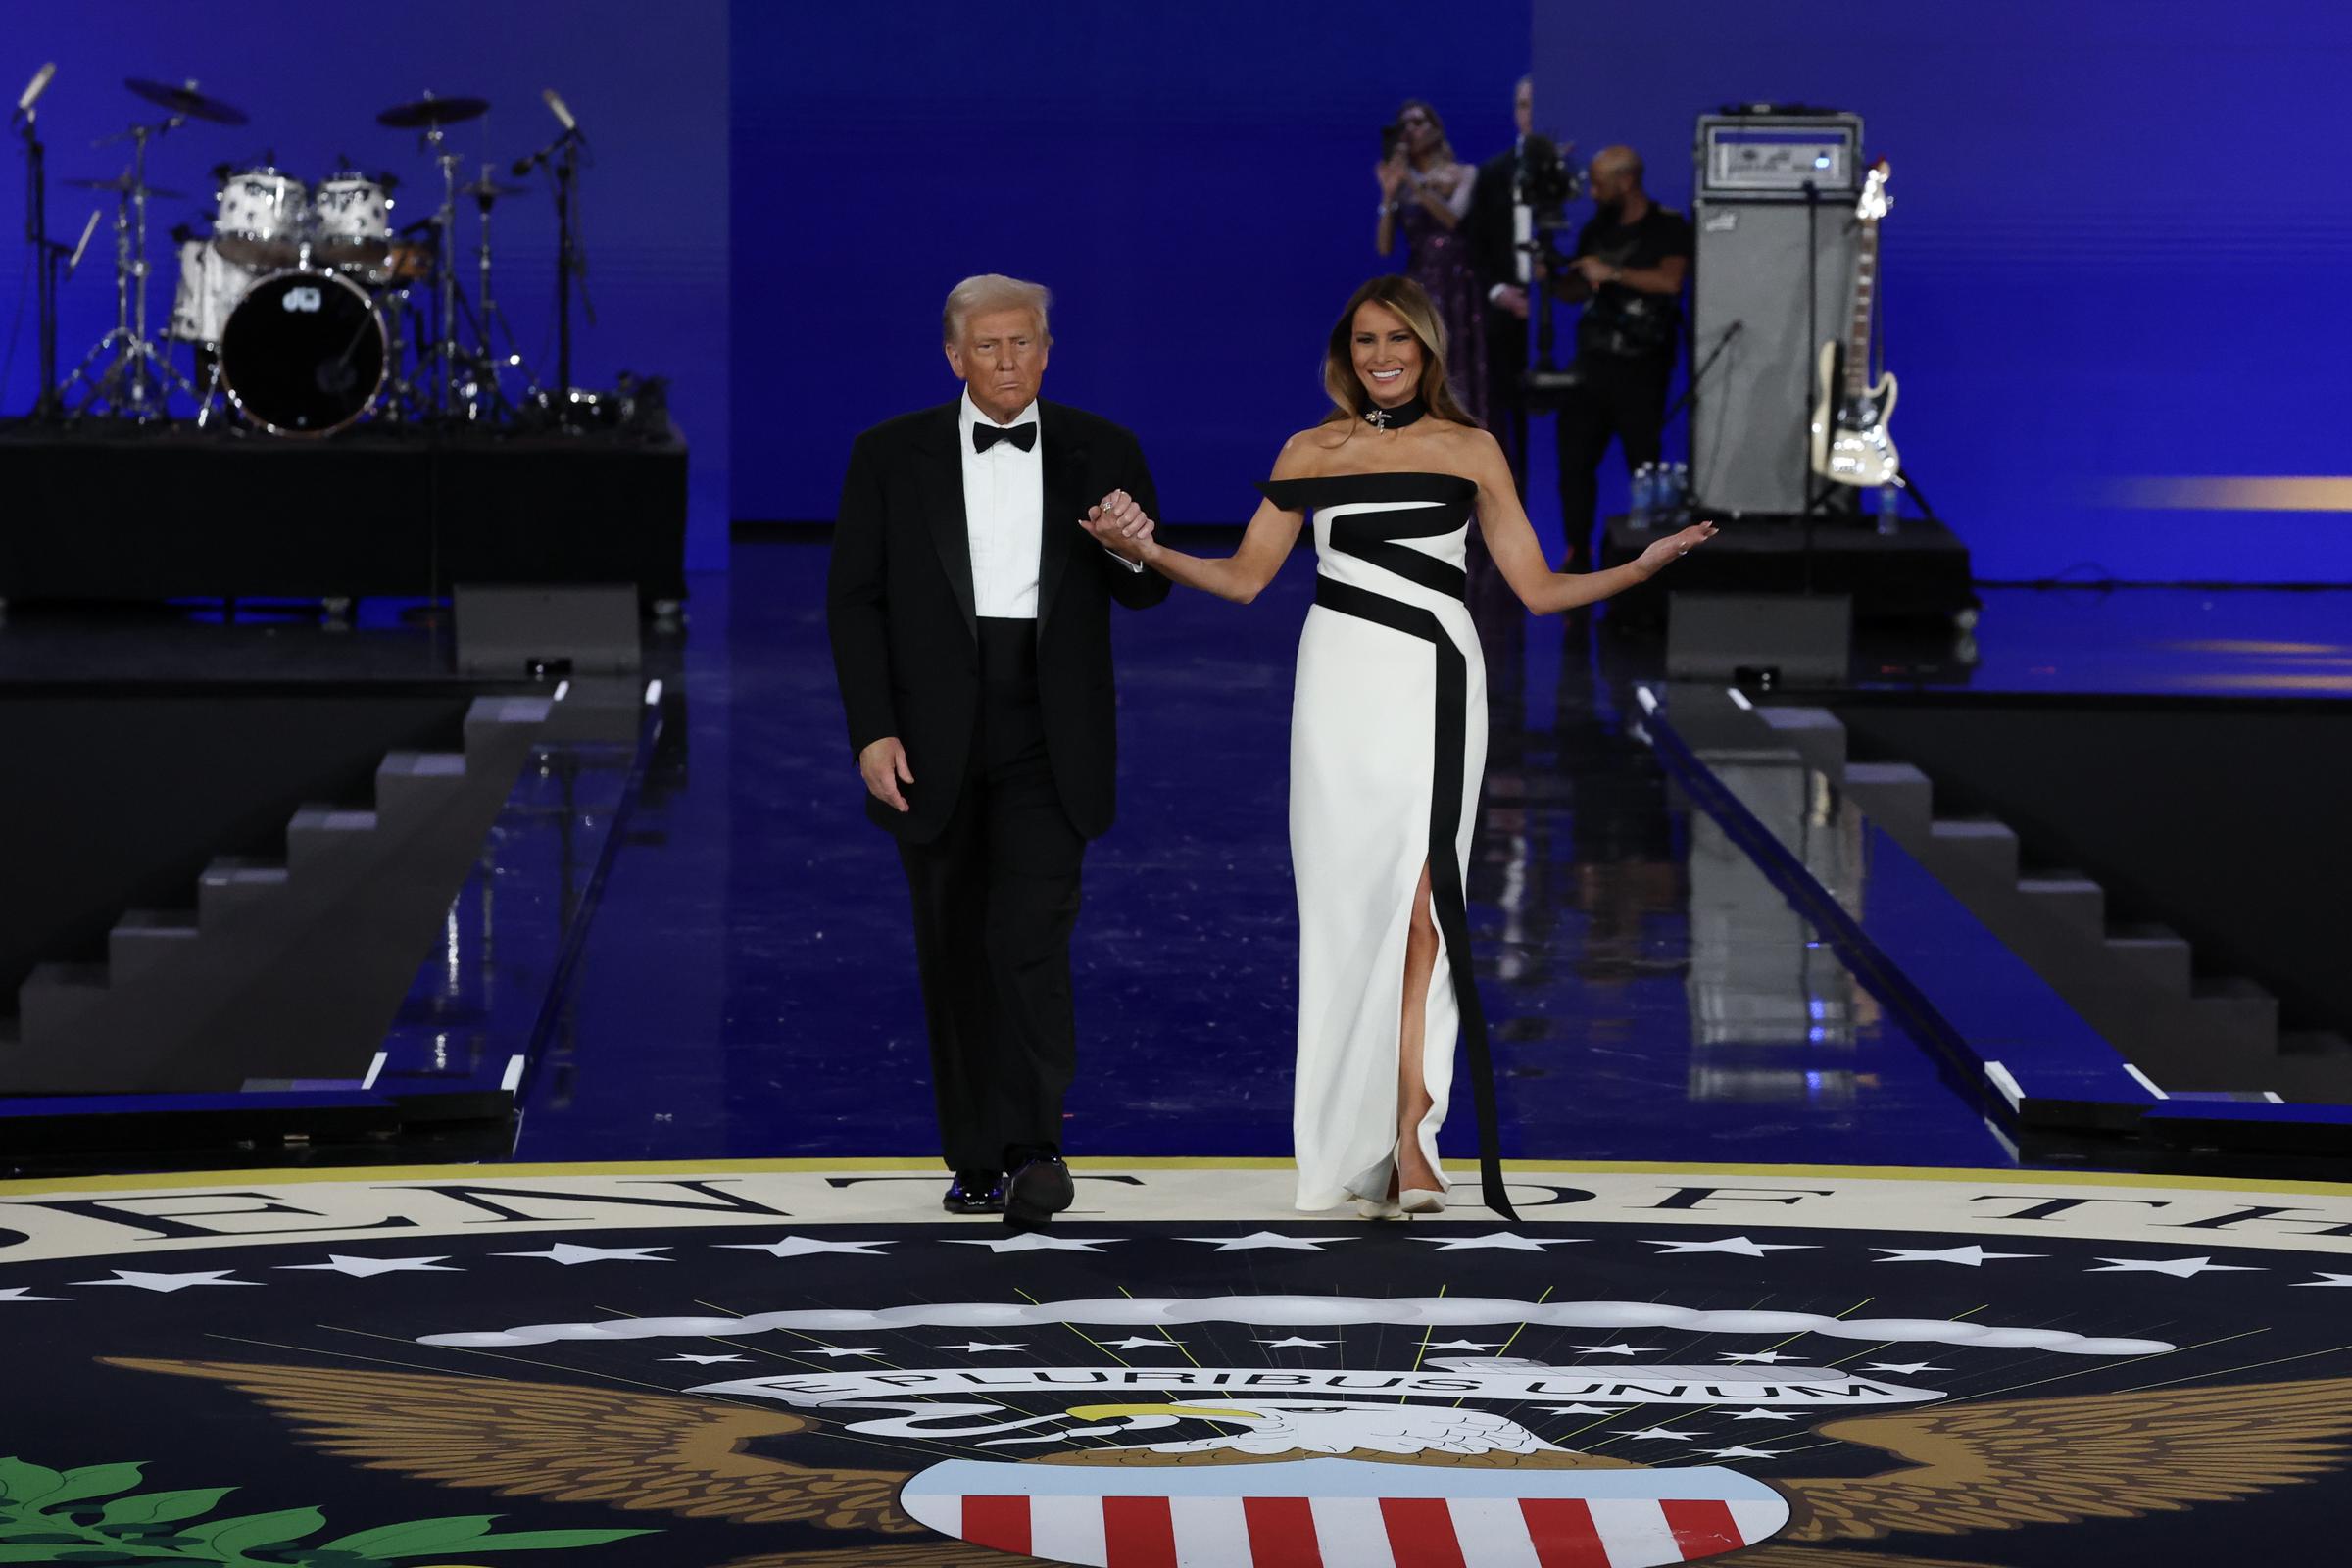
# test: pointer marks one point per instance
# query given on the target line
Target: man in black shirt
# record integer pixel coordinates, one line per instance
(1631, 260)
(1495, 226)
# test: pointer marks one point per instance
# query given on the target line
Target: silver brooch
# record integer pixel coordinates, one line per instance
(1377, 417)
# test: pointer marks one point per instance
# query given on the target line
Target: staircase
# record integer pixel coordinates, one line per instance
(285, 971)
(2136, 984)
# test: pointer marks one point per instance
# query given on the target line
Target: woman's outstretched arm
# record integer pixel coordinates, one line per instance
(1512, 541)
(1122, 525)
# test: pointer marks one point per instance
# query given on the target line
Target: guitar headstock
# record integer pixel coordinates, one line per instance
(1875, 203)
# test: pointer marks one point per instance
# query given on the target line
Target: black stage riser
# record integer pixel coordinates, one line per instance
(1920, 572)
(148, 516)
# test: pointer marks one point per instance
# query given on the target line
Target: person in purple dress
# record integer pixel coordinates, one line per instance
(1424, 196)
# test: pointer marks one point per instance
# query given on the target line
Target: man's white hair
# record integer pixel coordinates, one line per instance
(992, 291)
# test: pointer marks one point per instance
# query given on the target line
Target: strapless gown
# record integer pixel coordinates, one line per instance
(1388, 748)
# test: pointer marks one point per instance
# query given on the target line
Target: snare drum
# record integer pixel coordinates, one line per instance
(352, 221)
(303, 353)
(262, 216)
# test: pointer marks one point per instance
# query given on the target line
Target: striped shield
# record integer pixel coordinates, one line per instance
(1346, 1513)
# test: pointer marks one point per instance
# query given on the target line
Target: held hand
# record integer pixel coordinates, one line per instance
(1119, 524)
(1512, 298)
(883, 766)
(1390, 171)
(1670, 549)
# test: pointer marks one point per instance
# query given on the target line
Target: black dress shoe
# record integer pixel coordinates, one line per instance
(975, 1191)
(1038, 1190)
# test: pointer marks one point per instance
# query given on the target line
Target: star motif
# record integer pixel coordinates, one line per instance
(835, 1351)
(705, 1361)
(1735, 1452)
(169, 1283)
(1616, 1350)
(367, 1269)
(1580, 1409)
(1262, 1240)
(1459, 1344)
(1729, 1244)
(980, 1347)
(1139, 1343)
(1661, 1433)
(1767, 1358)
(801, 1247)
(1041, 1242)
(1498, 1240)
(570, 1253)
(2180, 1268)
(1295, 1342)
(1909, 1369)
(1759, 1413)
(2320, 1283)
(1972, 1257)
(18, 1293)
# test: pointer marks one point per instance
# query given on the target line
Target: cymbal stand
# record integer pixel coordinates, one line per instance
(137, 377)
(445, 225)
(491, 319)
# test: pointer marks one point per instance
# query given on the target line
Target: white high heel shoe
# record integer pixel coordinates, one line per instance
(1421, 1201)
(1377, 1209)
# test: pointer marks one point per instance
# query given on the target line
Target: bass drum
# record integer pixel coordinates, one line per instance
(303, 354)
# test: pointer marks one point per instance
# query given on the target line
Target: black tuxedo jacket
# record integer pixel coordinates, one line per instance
(899, 604)
(1488, 220)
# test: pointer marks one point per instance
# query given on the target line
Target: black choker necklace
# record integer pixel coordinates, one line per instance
(1397, 418)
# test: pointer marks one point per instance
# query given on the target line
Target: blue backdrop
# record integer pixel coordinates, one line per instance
(1194, 182)
(2118, 255)
(647, 83)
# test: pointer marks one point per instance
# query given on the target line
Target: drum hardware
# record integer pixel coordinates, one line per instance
(488, 362)
(136, 378)
(433, 116)
(47, 254)
(303, 352)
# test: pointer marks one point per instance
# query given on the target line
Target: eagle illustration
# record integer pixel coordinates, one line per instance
(1959, 1469)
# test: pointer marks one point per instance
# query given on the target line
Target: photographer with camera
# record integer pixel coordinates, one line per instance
(1627, 271)
(1425, 192)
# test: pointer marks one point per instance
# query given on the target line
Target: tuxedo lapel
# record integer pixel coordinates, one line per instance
(1064, 504)
(942, 498)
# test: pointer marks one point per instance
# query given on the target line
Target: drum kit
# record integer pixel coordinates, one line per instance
(308, 308)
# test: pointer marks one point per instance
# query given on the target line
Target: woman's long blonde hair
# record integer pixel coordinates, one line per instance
(1351, 399)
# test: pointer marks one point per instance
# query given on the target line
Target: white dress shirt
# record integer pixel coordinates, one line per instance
(1003, 515)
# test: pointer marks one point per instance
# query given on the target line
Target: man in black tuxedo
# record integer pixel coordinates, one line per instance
(971, 617)
(1496, 225)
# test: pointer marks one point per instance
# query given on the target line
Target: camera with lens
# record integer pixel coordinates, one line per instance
(1546, 183)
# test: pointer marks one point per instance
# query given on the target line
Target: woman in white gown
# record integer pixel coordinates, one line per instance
(1388, 739)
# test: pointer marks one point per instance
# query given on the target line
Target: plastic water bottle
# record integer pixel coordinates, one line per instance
(1891, 509)
(1644, 497)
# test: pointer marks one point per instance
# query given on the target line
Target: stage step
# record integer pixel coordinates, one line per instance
(1815, 733)
(1974, 850)
(1896, 796)
(2315, 1066)
(287, 970)
(2157, 954)
(2074, 902)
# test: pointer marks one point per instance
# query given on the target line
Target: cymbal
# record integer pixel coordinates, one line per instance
(432, 111)
(125, 185)
(489, 190)
(186, 101)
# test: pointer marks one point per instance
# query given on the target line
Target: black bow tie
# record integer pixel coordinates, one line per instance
(985, 436)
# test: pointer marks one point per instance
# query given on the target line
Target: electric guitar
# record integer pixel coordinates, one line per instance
(1850, 445)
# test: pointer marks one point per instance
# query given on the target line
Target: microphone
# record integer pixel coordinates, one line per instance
(562, 115)
(39, 86)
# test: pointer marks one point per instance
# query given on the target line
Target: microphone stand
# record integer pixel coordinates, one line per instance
(45, 256)
(1690, 390)
(561, 158)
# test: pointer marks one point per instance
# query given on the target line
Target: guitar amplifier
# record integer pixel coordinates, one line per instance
(1771, 154)
(1760, 237)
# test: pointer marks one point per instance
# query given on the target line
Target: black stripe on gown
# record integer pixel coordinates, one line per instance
(1370, 536)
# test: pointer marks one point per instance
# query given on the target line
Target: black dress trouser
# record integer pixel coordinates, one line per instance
(995, 898)
(1614, 395)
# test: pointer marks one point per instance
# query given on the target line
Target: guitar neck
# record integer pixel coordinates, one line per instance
(1857, 337)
